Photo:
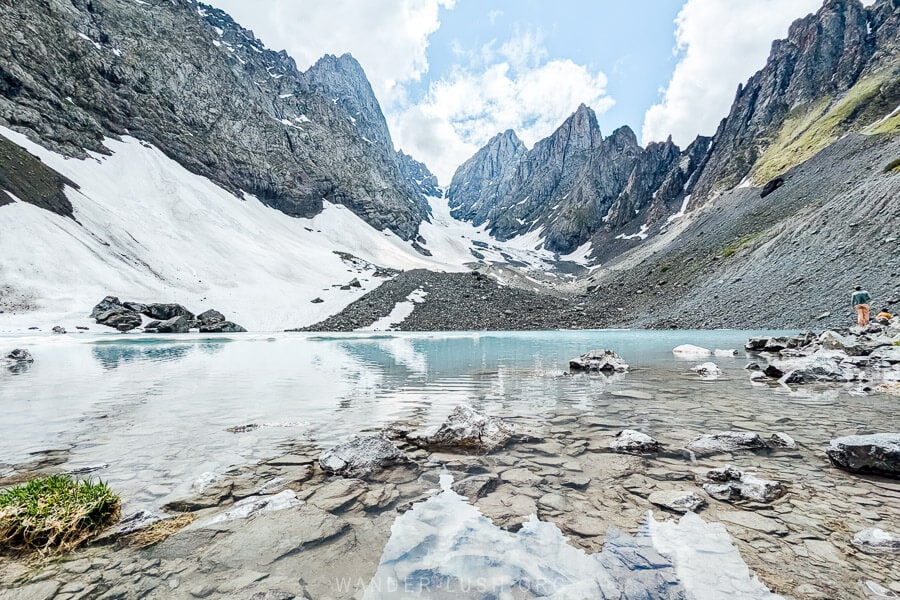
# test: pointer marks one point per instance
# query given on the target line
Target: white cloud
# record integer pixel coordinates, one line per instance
(388, 37)
(721, 44)
(510, 87)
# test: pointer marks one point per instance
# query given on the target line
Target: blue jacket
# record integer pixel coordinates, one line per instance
(860, 297)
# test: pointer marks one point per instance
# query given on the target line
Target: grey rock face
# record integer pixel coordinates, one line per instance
(604, 361)
(477, 181)
(179, 324)
(629, 441)
(730, 484)
(167, 311)
(573, 184)
(417, 176)
(222, 327)
(107, 304)
(677, 500)
(121, 319)
(467, 430)
(823, 55)
(204, 90)
(875, 453)
(361, 456)
(726, 441)
(210, 317)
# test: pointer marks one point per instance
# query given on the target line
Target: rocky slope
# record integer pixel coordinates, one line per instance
(838, 71)
(186, 78)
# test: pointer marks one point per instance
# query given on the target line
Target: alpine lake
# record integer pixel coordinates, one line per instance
(229, 430)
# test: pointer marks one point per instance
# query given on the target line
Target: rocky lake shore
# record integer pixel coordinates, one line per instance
(807, 494)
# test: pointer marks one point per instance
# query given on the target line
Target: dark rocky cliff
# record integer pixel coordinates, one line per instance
(837, 71)
(186, 78)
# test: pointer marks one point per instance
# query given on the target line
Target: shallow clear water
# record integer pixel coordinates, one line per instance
(157, 410)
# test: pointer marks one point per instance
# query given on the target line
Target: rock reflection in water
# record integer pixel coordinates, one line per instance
(113, 354)
(445, 548)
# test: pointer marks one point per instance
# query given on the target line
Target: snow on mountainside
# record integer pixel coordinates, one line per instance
(148, 230)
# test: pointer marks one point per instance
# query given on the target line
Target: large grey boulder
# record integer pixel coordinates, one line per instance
(222, 327)
(179, 324)
(730, 484)
(109, 303)
(121, 319)
(603, 361)
(726, 441)
(629, 441)
(164, 312)
(466, 430)
(361, 456)
(877, 453)
(210, 317)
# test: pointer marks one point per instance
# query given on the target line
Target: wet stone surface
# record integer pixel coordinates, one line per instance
(322, 535)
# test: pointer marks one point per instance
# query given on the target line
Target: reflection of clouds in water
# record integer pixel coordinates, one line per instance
(444, 548)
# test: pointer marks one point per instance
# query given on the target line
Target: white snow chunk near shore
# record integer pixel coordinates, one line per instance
(689, 350)
(444, 547)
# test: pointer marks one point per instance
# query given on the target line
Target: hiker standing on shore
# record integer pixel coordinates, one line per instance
(860, 301)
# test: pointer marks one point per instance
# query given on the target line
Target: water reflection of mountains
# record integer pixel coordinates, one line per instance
(114, 354)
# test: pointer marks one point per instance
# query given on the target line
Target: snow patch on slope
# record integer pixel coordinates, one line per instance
(148, 230)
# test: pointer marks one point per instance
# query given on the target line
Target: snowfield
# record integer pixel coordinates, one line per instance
(148, 230)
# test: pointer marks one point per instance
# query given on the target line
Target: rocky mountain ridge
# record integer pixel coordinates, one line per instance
(837, 71)
(217, 101)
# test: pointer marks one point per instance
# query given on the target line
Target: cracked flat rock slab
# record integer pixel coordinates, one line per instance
(258, 542)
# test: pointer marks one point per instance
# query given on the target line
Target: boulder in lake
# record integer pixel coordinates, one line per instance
(724, 352)
(756, 344)
(20, 355)
(726, 441)
(222, 327)
(466, 430)
(781, 440)
(361, 456)
(877, 541)
(59, 329)
(603, 361)
(629, 441)
(707, 370)
(832, 340)
(210, 317)
(120, 318)
(877, 453)
(164, 312)
(820, 366)
(689, 350)
(179, 324)
(680, 501)
(731, 485)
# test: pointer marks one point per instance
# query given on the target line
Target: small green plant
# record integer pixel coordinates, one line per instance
(893, 166)
(54, 514)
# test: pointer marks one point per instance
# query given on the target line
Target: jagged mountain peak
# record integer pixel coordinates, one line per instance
(182, 76)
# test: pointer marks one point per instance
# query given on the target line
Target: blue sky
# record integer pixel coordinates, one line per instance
(450, 74)
(615, 38)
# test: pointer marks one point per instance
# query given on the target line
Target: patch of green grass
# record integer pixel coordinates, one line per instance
(810, 128)
(892, 167)
(664, 268)
(739, 244)
(54, 514)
